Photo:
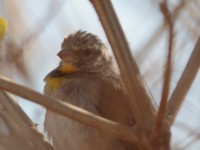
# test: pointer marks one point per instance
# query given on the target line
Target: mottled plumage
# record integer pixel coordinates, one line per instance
(92, 84)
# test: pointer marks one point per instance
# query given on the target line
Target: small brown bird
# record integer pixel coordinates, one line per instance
(86, 78)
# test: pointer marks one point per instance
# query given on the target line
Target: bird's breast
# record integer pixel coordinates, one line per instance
(53, 83)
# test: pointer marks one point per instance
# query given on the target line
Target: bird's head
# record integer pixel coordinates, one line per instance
(83, 51)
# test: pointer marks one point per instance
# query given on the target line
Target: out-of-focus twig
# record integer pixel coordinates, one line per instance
(139, 99)
(14, 58)
(192, 23)
(54, 8)
(192, 133)
(167, 74)
(121, 131)
(146, 49)
(183, 85)
(15, 52)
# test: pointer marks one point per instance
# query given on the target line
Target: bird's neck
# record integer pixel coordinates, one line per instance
(66, 68)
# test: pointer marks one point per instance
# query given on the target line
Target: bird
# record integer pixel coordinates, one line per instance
(86, 77)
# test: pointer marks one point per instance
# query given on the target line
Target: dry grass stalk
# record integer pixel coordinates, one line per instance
(183, 85)
(167, 74)
(139, 99)
(122, 132)
(21, 131)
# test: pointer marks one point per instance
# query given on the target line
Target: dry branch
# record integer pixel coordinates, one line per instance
(122, 132)
(183, 85)
(139, 99)
(22, 132)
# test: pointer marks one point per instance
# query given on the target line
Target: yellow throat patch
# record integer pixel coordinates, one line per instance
(53, 83)
(67, 68)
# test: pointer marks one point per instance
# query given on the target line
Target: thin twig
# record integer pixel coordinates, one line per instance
(146, 49)
(167, 75)
(183, 85)
(121, 131)
(138, 96)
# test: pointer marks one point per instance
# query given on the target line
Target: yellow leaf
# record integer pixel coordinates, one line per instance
(3, 27)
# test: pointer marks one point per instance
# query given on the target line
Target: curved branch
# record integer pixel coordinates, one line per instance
(120, 131)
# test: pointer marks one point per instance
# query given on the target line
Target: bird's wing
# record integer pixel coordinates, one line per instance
(114, 105)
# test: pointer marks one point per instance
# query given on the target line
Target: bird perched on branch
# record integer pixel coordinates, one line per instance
(86, 78)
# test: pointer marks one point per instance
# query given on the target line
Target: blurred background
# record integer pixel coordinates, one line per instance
(36, 29)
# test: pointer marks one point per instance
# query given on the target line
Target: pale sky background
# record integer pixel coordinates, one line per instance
(139, 20)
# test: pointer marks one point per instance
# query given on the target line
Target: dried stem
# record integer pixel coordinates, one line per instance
(167, 75)
(26, 129)
(121, 131)
(183, 85)
(138, 97)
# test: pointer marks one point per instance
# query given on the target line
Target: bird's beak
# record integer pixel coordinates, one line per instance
(66, 56)
(62, 54)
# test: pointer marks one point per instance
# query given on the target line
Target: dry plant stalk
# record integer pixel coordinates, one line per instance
(183, 85)
(130, 71)
(138, 97)
(167, 74)
(22, 131)
(121, 131)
